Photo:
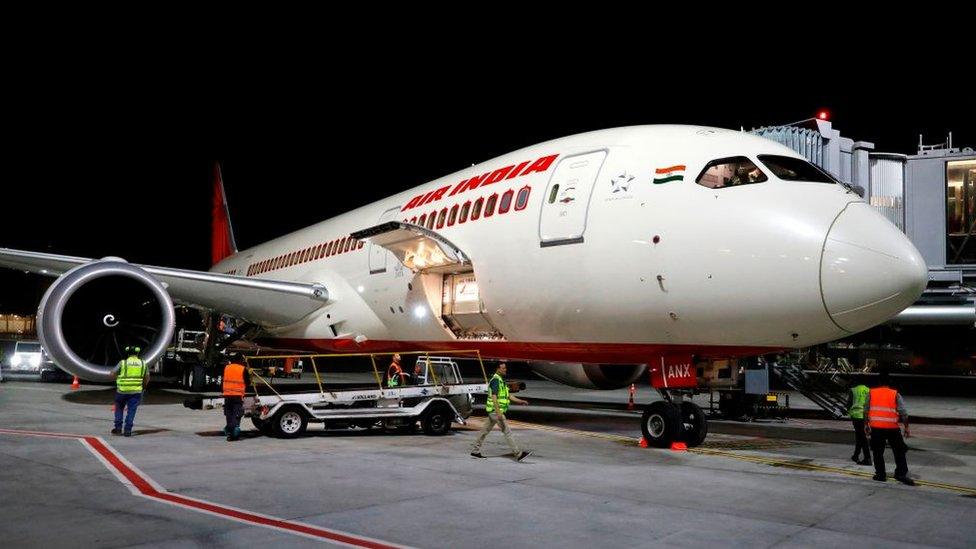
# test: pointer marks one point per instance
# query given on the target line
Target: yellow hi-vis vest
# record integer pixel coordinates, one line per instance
(502, 396)
(131, 372)
(860, 393)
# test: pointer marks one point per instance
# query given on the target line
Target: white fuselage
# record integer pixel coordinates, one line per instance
(616, 267)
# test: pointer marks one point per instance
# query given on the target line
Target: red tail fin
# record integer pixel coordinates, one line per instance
(222, 242)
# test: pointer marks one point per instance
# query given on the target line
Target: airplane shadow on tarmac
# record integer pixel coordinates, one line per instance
(319, 433)
(106, 397)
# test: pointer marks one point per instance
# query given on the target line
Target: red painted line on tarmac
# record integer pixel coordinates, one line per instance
(146, 488)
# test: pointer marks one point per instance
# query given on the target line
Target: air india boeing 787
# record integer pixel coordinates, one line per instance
(593, 257)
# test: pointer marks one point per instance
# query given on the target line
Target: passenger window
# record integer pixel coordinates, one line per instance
(522, 200)
(431, 219)
(464, 212)
(490, 205)
(730, 172)
(442, 218)
(506, 202)
(452, 218)
(476, 210)
(345, 244)
(553, 193)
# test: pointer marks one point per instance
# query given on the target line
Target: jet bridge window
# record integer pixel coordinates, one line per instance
(431, 219)
(794, 169)
(730, 172)
(464, 212)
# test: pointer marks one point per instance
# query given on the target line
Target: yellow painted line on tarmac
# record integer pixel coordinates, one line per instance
(744, 457)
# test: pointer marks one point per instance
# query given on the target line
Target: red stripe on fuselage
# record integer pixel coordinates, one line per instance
(621, 353)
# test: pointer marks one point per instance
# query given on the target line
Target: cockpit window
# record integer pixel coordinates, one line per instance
(730, 172)
(794, 169)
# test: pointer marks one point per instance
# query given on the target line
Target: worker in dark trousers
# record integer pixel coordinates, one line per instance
(856, 398)
(237, 380)
(884, 409)
(131, 378)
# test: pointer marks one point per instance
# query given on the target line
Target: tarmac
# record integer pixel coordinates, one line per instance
(178, 483)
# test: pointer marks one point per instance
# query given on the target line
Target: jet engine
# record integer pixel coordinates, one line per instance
(92, 312)
(589, 376)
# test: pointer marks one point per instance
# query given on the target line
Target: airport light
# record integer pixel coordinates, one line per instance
(823, 115)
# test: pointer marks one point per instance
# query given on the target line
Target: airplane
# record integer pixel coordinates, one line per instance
(597, 258)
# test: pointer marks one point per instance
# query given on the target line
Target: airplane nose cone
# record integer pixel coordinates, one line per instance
(869, 271)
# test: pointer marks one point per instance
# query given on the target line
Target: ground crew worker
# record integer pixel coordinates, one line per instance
(495, 407)
(856, 398)
(130, 380)
(883, 409)
(394, 374)
(236, 382)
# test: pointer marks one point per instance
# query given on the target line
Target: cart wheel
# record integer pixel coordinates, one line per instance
(436, 422)
(289, 423)
(262, 425)
(695, 424)
(661, 424)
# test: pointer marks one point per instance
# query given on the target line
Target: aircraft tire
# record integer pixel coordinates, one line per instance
(695, 424)
(661, 424)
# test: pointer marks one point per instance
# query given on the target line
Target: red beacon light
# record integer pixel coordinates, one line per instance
(823, 115)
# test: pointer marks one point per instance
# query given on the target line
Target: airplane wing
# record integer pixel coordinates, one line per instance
(264, 302)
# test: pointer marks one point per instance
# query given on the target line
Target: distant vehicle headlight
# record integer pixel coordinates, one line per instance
(35, 360)
(15, 360)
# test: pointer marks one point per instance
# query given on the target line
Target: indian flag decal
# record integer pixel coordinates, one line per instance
(666, 175)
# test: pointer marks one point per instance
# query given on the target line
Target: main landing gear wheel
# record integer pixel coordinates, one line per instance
(289, 423)
(695, 426)
(661, 424)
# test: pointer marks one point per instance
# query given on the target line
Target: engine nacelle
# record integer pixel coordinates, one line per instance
(590, 376)
(92, 312)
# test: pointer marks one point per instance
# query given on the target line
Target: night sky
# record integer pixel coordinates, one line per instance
(100, 170)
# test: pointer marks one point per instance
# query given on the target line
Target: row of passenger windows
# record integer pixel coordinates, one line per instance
(337, 246)
(482, 207)
(739, 170)
(457, 214)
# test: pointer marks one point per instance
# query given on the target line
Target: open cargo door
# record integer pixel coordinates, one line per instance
(418, 248)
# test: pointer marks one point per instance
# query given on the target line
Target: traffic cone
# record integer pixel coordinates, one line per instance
(630, 404)
(642, 443)
(679, 447)
(75, 384)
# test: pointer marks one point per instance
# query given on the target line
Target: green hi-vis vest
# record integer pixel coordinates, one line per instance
(860, 393)
(502, 396)
(131, 372)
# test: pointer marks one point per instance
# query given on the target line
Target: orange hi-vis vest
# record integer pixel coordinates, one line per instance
(234, 380)
(883, 413)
